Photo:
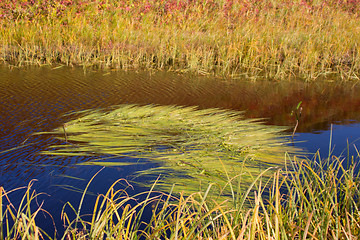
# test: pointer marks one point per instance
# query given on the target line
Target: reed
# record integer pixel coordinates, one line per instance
(314, 199)
(234, 38)
(20, 222)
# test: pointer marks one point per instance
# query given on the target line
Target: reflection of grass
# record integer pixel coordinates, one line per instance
(314, 200)
(252, 38)
(189, 145)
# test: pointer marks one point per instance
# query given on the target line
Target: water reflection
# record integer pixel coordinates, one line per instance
(342, 140)
(35, 99)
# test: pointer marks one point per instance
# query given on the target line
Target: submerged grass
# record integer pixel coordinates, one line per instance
(189, 145)
(274, 39)
(315, 199)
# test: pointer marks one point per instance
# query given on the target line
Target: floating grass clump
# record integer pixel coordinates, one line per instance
(315, 199)
(274, 39)
(189, 145)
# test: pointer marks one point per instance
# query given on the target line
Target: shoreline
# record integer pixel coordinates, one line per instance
(276, 40)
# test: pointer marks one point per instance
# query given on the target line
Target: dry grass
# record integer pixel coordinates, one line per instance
(273, 39)
(315, 199)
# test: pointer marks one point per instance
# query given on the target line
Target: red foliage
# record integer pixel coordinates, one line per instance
(172, 9)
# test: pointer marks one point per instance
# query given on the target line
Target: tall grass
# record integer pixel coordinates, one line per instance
(20, 222)
(235, 38)
(315, 199)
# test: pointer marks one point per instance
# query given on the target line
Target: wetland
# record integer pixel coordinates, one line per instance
(251, 108)
(36, 101)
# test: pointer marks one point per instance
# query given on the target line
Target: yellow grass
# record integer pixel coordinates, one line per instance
(273, 39)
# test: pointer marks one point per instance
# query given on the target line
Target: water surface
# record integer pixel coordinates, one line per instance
(35, 100)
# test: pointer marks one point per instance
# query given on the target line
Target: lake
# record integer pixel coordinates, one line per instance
(35, 100)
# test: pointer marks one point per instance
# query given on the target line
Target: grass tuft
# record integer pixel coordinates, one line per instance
(314, 199)
(19, 222)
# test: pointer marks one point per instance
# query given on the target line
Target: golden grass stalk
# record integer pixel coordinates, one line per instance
(19, 222)
(263, 39)
(316, 199)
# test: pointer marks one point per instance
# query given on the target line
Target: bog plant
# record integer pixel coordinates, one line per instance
(188, 145)
(314, 199)
(20, 222)
(273, 39)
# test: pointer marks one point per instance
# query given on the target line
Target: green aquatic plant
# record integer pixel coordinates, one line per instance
(189, 145)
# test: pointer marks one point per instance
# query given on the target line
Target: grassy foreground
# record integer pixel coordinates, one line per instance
(234, 38)
(316, 199)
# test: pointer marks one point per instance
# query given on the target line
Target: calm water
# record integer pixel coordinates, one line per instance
(35, 99)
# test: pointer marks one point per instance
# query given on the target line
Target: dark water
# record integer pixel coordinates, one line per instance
(35, 99)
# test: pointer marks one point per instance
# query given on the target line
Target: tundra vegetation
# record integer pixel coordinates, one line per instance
(316, 199)
(190, 146)
(252, 186)
(273, 39)
(225, 195)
